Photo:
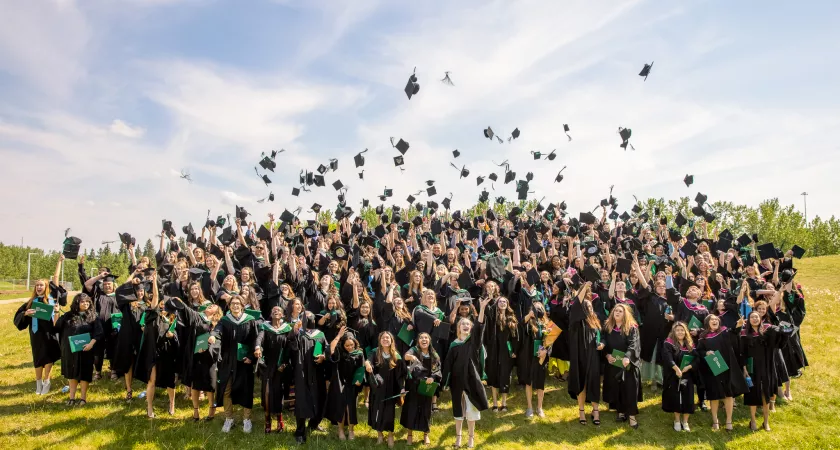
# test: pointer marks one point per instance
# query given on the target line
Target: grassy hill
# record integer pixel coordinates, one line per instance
(810, 421)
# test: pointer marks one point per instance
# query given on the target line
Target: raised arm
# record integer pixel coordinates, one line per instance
(57, 273)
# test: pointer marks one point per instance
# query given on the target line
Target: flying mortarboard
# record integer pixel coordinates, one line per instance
(566, 130)
(71, 247)
(646, 70)
(456, 153)
(431, 190)
(488, 133)
(766, 251)
(798, 252)
(688, 180)
(359, 159)
(398, 161)
(479, 180)
(625, 134)
(412, 87)
(319, 181)
(337, 185)
(401, 145)
(515, 133)
(268, 164)
(680, 220)
(493, 177)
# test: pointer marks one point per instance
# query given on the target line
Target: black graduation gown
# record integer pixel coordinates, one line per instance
(275, 353)
(584, 357)
(44, 343)
(79, 365)
(198, 370)
(416, 414)
(762, 351)
(232, 333)
(499, 363)
(655, 328)
(462, 371)
(365, 330)
(622, 385)
(685, 310)
(388, 382)
(729, 383)
(677, 392)
(559, 314)
(341, 397)
(530, 371)
(106, 305)
(309, 378)
(157, 351)
(394, 324)
(792, 353)
(130, 331)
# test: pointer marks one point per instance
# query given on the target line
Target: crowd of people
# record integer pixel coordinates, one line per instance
(392, 315)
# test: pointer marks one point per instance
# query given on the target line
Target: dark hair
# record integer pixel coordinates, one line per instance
(75, 308)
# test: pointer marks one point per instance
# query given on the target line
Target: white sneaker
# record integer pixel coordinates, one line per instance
(45, 387)
(685, 427)
(38, 384)
(540, 413)
(246, 425)
(227, 426)
(677, 426)
(529, 413)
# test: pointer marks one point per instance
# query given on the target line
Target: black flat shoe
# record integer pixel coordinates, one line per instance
(503, 408)
(81, 402)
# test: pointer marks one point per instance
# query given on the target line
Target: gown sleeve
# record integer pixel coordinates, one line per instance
(21, 320)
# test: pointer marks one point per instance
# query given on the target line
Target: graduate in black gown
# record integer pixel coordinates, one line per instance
(236, 334)
(77, 367)
(693, 313)
(200, 374)
(348, 359)
(424, 368)
(678, 379)
(585, 343)
(309, 377)
(654, 329)
(462, 371)
(105, 304)
(157, 357)
(728, 384)
(792, 311)
(43, 339)
(502, 346)
(131, 300)
(622, 377)
(387, 372)
(534, 350)
(760, 343)
(275, 369)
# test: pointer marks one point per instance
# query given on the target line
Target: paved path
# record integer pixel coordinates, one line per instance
(23, 299)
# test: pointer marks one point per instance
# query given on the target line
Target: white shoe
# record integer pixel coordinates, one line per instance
(38, 384)
(246, 425)
(540, 413)
(227, 426)
(677, 426)
(45, 387)
(685, 427)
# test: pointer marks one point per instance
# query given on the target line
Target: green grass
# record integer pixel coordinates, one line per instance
(29, 421)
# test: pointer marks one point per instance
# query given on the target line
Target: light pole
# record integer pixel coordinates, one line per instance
(29, 268)
(805, 199)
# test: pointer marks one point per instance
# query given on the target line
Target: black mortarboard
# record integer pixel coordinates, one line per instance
(412, 87)
(287, 217)
(656, 211)
(479, 180)
(359, 159)
(588, 218)
(322, 169)
(698, 211)
(388, 192)
(319, 181)
(680, 220)
(472, 233)
(624, 265)
(744, 240)
(401, 145)
(689, 248)
(227, 236)
(551, 155)
(241, 214)
(488, 133)
(515, 133)
(537, 155)
(624, 216)
(491, 246)
(514, 213)
(71, 247)
(674, 234)
(456, 153)
(566, 130)
(726, 234)
(709, 217)
(410, 199)
(263, 233)
(431, 190)
(766, 251)
(334, 164)
(636, 209)
(436, 227)
(493, 177)
(268, 164)
(398, 161)
(507, 243)
(446, 202)
(341, 252)
(315, 207)
(688, 180)
(310, 178)
(295, 192)
(700, 198)
(613, 215)
(125, 238)
(591, 274)
(337, 185)
(798, 252)
(646, 70)
(723, 244)
(266, 180)
(510, 176)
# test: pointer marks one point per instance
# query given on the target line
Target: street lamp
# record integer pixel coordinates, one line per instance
(28, 268)
(805, 199)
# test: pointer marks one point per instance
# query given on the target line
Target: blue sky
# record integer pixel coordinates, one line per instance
(105, 101)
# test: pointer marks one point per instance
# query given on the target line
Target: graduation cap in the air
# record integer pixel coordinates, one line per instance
(446, 202)
(688, 180)
(310, 178)
(166, 225)
(266, 180)
(322, 169)
(456, 153)
(680, 220)
(319, 181)
(798, 252)
(566, 130)
(412, 87)
(241, 213)
(227, 236)
(689, 248)
(359, 159)
(537, 155)
(514, 134)
(698, 211)
(700, 199)
(709, 217)
(510, 176)
(127, 240)
(268, 164)
(337, 185)
(493, 177)
(559, 176)
(625, 134)
(398, 161)
(464, 171)
(479, 180)
(288, 217)
(295, 192)
(624, 216)
(646, 70)
(488, 133)
(71, 247)
(587, 218)
(613, 215)
(431, 190)
(766, 251)
(316, 208)
(401, 145)
(551, 155)
(483, 196)
(334, 164)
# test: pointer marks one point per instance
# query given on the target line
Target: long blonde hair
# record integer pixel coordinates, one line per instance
(673, 335)
(392, 351)
(34, 295)
(629, 321)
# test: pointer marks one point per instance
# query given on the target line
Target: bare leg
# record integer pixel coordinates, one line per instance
(39, 373)
(752, 418)
(171, 392)
(73, 385)
(540, 395)
(194, 394)
(528, 393)
(211, 400)
(150, 394)
(581, 399)
(715, 405)
(728, 404)
(84, 385)
(766, 412)
(458, 425)
(504, 399)
(495, 393)
(471, 427)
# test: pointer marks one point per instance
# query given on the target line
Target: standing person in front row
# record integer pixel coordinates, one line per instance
(201, 375)
(77, 363)
(728, 384)
(42, 338)
(678, 375)
(387, 371)
(585, 343)
(348, 359)
(236, 333)
(760, 343)
(424, 370)
(462, 373)
(308, 353)
(622, 382)
(536, 354)
(272, 347)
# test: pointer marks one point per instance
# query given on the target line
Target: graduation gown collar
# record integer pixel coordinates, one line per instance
(242, 319)
(284, 328)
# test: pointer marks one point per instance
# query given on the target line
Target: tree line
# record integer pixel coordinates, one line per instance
(782, 225)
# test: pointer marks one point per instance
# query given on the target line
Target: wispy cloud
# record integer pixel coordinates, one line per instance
(123, 129)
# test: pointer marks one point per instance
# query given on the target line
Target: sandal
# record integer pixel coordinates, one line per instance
(598, 420)
(503, 408)
(196, 417)
(753, 426)
(471, 440)
(715, 425)
(426, 440)
(70, 402)
(728, 426)
(766, 426)
(81, 402)
(634, 426)
(582, 421)
(457, 441)
(128, 395)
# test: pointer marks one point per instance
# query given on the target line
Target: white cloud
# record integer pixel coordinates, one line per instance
(232, 199)
(123, 129)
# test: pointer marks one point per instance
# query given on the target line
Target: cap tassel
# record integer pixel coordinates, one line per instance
(570, 138)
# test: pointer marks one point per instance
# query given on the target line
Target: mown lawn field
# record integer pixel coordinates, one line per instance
(810, 421)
